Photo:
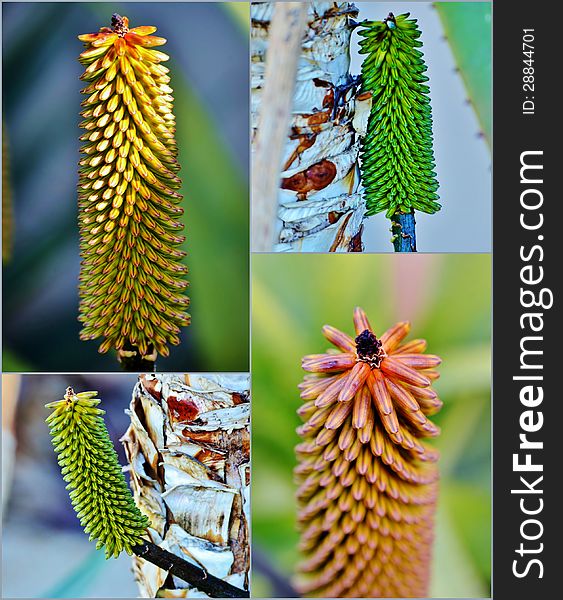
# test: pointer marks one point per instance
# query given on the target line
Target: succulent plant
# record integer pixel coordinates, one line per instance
(397, 153)
(132, 276)
(98, 491)
(368, 483)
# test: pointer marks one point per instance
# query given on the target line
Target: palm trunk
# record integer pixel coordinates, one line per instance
(188, 448)
(320, 207)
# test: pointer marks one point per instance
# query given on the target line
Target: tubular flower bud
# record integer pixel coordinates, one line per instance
(397, 153)
(89, 465)
(367, 482)
(132, 278)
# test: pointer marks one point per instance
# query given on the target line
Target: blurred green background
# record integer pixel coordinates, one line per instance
(208, 46)
(447, 300)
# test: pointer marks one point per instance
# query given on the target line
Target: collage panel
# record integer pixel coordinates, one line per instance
(146, 265)
(387, 139)
(376, 479)
(181, 442)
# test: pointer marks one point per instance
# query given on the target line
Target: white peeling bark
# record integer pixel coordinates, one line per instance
(320, 204)
(188, 448)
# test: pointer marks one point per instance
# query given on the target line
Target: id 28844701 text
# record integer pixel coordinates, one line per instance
(528, 72)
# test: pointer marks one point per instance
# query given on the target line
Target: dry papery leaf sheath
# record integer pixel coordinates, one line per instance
(188, 447)
(132, 278)
(368, 484)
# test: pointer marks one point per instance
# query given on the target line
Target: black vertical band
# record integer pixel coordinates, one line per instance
(527, 268)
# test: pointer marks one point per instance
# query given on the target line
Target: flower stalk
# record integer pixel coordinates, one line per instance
(132, 276)
(367, 481)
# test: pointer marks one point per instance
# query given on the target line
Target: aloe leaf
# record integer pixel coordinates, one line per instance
(467, 26)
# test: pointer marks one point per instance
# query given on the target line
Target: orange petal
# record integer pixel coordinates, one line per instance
(430, 429)
(351, 453)
(106, 39)
(359, 488)
(338, 415)
(120, 46)
(311, 389)
(377, 442)
(379, 393)
(330, 395)
(374, 471)
(430, 454)
(340, 466)
(348, 478)
(394, 368)
(150, 55)
(413, 347)
(146, 41)
(362, 464)
(398, 437)
(409, 442)
(319, 418)
(134, 54)
(430, 407)
(328, 363)
(418, 361)
(331, 452)
(354, 382)
(432, 375)
(92, 53)
(420, 425)
(361, 322)
(325, 437)
(306, 410)
(365, 433)
(393, 336)
(421, 393)
(308, 447)
(346, 437)
(91, 37)
(391, 424)
(363, 412)
(339, 339)
(402, 397)
(372, 519)
(143, 30)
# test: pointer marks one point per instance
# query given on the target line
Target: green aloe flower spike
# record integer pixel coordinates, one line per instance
(89, 465)
(397, 154)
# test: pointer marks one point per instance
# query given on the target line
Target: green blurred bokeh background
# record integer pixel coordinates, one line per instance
(447, 299)
(208, 46)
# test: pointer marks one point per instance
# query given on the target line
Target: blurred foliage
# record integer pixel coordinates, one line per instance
(464, 23)
(240, 12)
(6, 202)
(447, 300)
(41, 112)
